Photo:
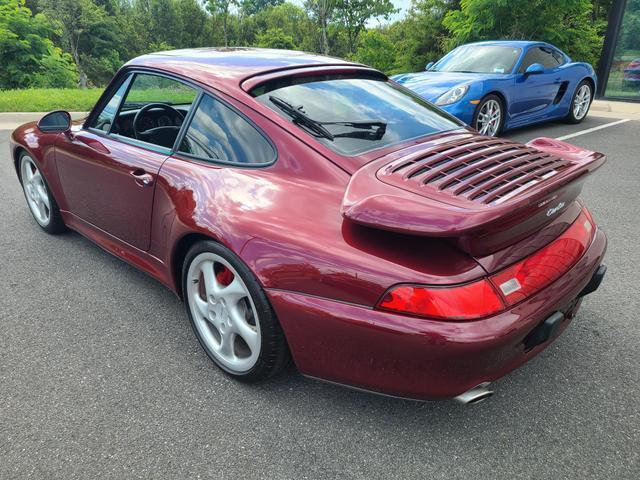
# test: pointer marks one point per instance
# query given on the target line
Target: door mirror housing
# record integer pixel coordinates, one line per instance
(428, 66)
(58, 121)
(534, 69)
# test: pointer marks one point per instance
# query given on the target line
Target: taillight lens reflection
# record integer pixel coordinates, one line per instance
(532, 274)
(465, 302)
(504, 289)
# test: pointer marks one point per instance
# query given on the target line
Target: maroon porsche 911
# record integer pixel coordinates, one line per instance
(310, 208)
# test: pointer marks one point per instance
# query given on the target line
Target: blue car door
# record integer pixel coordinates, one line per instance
(534, 94)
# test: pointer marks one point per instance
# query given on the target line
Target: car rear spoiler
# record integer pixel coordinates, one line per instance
(425, 192)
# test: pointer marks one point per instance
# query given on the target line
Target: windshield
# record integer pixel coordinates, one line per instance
(353, 115)
(479, 59)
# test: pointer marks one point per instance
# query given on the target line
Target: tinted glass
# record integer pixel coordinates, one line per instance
(219, 134)
(624, 73)
(479, 59)
(154, 109)
(359, 114)
(108, 114)
(147, 89)
(541, 55)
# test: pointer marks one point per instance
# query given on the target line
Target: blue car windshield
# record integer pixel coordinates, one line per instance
(479, 59)
(353, 114)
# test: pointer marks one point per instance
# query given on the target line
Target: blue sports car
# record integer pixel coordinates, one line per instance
(500, 85)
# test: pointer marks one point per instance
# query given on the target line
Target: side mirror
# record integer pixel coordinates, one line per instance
(534, 69)
(55, 122)
(428, 66)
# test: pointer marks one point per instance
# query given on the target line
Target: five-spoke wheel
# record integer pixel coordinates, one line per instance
(580, 102)
(40, 201)
(230, 314)
(489, 117)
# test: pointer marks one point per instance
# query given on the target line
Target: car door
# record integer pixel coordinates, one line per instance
(107, 174)
(535, 93)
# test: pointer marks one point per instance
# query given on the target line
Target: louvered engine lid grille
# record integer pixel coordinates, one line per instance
(486, 171)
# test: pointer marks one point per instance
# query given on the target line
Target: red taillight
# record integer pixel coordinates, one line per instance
(465, 302)
(531, 275)
(515, 283)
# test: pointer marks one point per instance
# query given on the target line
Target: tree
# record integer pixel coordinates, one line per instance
(90, 35)
(321, 12)
(27, 53)
(220, 9)
(376, 50)
(275, 38)
(565, 23)
(251, 7)
(420, 37)
(292, 20)
(354, 15)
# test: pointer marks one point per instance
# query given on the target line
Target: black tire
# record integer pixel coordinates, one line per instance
(54, 225)
(571, 116)
(274, 352)
(482, 105)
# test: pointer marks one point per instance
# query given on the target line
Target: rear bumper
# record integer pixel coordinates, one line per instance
(421, 358)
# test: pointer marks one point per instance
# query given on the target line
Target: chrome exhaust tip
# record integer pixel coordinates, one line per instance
(474, 395)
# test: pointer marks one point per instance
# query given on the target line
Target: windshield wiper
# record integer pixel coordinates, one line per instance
(374, 130)
(301, 118)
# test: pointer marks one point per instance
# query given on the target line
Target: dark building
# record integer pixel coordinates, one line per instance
(619, 72)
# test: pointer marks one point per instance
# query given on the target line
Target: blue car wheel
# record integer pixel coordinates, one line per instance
(580, 102)
(488, 118)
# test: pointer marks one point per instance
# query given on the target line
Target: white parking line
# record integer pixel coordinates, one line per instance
(589, 130)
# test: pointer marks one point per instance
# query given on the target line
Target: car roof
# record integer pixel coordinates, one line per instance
(511, 43)
(227, 68)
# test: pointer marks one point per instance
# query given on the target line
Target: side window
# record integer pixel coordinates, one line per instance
(220, 134)
(541, 55)
(154, 109)
(105, 119)
(558, 57)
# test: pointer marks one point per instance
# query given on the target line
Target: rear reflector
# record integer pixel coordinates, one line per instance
(504, 289)
(465, 302)
(532, 274)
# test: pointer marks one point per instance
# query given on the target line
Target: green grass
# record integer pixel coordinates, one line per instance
(76, 100)
(47, 99)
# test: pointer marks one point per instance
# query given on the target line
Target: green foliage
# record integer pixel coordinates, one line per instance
(565, 23)
(64, 41)
(354, 14)
(421, 37)
(376, 50)
(27, 53)
(275, 38)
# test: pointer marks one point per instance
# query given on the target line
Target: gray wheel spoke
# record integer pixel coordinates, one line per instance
(221, 319)
(35, 191)
(242, 328)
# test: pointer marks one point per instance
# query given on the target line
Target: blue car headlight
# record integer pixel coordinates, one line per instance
(453, 95)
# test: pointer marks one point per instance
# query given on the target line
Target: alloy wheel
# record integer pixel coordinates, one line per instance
(489, 118)
(581, 102)
(223, 312)
(35, 191)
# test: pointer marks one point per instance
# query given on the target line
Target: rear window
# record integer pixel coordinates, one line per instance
(353, 115)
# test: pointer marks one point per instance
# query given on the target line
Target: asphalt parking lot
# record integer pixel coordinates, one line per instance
(102, 377)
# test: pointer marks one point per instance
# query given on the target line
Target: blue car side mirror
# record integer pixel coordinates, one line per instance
(428, 66)
(534, 69)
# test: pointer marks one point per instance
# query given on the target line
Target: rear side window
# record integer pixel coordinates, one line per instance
(219, 134)
(547, 57)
